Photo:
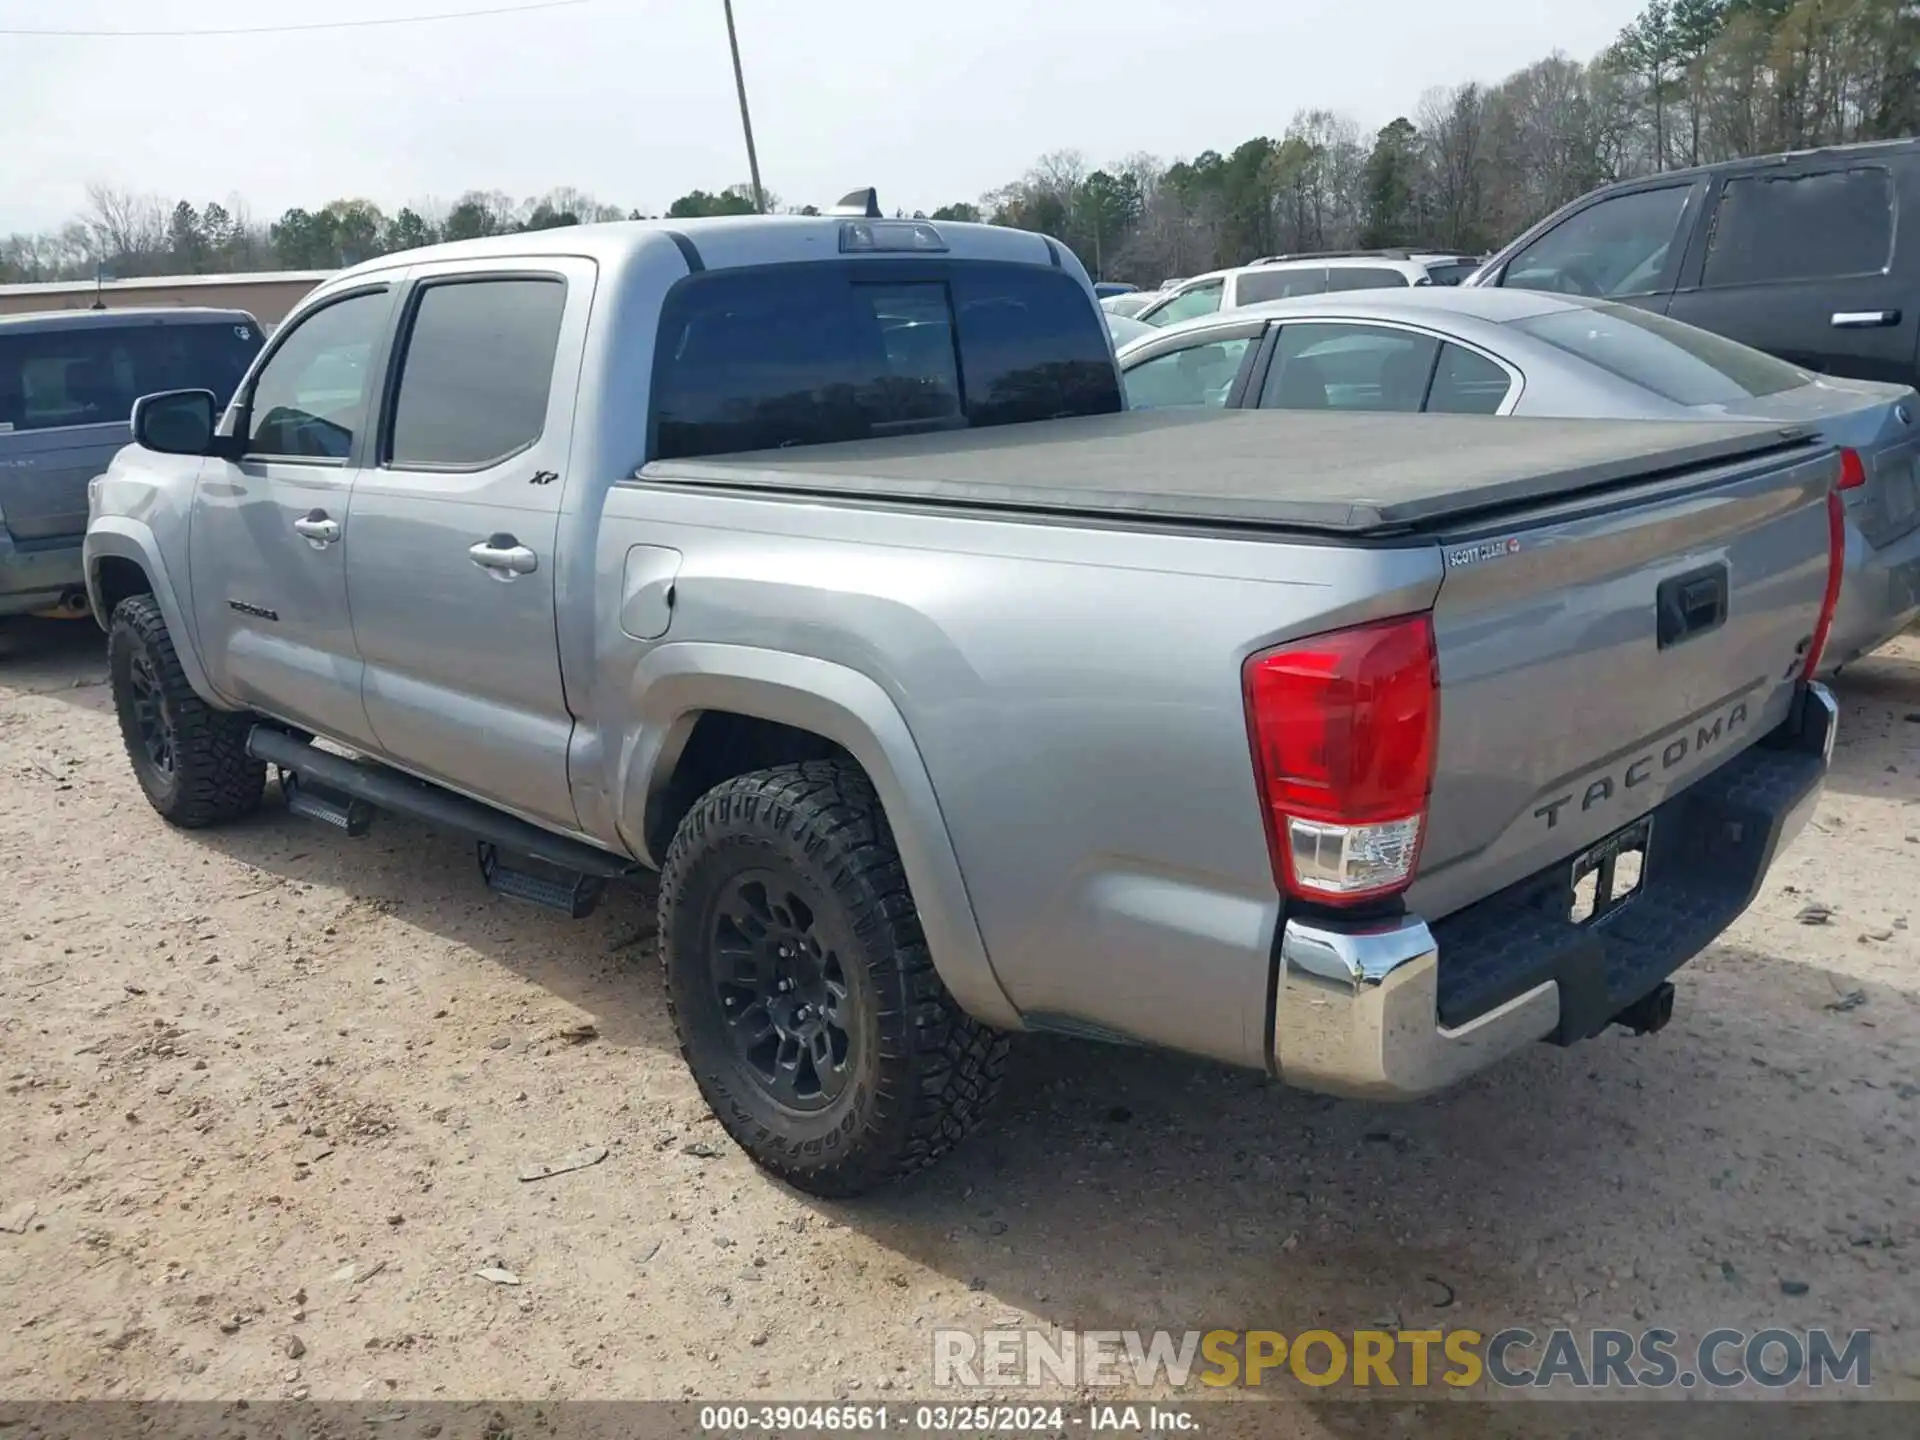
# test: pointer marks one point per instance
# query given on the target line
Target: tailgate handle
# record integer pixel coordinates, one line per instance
(1692, 604)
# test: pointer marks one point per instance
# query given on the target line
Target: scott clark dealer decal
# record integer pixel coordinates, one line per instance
(1484, 551)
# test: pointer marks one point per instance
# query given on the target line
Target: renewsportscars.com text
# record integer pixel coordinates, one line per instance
(1511, 1359)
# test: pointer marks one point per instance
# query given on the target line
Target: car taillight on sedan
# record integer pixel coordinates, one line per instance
(1343, 728)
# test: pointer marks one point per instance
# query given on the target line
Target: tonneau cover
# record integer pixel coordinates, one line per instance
(1345, 473)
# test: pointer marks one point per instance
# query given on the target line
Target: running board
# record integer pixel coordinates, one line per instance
(330, 807)
(568, 891)
(345, 794)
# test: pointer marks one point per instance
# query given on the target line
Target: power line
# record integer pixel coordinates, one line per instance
(292, 29)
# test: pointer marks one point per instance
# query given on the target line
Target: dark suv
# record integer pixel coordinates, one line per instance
(1802, 254)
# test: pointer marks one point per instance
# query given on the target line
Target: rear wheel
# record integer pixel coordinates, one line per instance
(190, 759)
(802, 989)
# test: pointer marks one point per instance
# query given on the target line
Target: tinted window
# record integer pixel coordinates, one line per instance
(1188, 304)
(1365, 277)
(92, 374)
(1451, 272)
(1619, 246)
(1281, 284)
(811, 354)
(1200, 375)
(312, 391)
(1800, 227)
(1349, 367)
(1677, 362)
(1466, 383)
(478, 366)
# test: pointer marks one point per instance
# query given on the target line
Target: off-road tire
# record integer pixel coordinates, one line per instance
(212, 779)
(922, 1070)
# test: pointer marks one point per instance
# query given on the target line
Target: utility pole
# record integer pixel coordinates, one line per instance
(746, 121)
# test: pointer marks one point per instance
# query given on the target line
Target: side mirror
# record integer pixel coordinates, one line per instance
(176, 422)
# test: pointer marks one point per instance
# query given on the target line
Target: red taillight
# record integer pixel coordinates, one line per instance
(1836, 568)
(1343, 728)
(1853, 470)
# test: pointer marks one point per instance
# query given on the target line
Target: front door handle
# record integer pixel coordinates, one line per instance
(317, 529)
(1865, 319)
(504, 556)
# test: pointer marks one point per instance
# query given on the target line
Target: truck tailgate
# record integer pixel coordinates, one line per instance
(1598, 658)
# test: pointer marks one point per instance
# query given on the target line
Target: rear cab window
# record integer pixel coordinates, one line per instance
(1816, 225)
(812, 354)
(91, 374)
(1677, 362)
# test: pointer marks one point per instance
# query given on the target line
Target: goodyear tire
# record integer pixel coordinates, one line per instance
(190, 759)
(802, 989)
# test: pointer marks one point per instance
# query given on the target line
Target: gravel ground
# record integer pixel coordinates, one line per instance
(268, 1093)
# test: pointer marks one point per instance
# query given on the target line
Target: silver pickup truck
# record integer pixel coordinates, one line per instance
(815, 564)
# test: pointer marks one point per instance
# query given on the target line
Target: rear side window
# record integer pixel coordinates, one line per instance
(1800, 227)
(1365, 277)
(476, 373)
(92, 374)
(1281, 284)
(813, 354)
(1451, 272)
(1467, 383)
(1675, 361)
(1349, 367)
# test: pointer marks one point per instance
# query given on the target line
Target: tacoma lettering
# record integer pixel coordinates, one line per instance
(1641, 768)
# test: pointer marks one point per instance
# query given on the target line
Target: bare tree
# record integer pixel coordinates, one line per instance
(129, 230)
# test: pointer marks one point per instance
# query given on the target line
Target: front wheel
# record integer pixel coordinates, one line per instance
(802, 989)
(190, 759)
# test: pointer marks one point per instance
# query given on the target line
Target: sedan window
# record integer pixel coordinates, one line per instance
(1349, 367)
(1199, 375)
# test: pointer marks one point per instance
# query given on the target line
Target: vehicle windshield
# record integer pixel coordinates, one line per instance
(759, 359)
(1677, 362)
(92, 374)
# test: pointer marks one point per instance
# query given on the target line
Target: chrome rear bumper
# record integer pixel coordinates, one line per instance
(1357, 1015)
(1358, 1006)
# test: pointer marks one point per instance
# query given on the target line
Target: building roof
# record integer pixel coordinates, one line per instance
(135, 314)
(166, 282)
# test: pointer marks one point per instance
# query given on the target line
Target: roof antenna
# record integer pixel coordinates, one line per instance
(864, 203)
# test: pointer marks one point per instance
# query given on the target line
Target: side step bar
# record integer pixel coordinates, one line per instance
(344, 793)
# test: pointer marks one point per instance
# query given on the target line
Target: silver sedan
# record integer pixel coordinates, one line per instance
(1511, 352)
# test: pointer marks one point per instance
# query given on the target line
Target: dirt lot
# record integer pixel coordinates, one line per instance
(268, 1093)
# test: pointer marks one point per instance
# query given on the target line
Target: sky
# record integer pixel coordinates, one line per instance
(633, 100)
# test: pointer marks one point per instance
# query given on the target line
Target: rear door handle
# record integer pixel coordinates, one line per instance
(504, 556)
(1865, 319)
(317, 529)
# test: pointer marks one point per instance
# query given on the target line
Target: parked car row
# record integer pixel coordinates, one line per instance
(1514, 352)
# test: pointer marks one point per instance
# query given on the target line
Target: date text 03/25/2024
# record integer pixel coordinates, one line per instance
(942, 1419)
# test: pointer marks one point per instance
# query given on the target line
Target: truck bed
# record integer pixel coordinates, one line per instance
(1346, 474)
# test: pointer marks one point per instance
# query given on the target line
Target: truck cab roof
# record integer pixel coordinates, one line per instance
(725, 242)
